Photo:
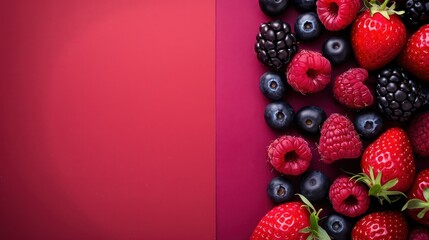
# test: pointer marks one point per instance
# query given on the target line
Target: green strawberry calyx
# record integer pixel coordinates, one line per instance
(378, 190)
(419, 204)
(316, 231)
(383, 9)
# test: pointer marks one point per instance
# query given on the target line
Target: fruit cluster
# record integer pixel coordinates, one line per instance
(385, 130)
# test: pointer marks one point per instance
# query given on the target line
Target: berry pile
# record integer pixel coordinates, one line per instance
(374, 62)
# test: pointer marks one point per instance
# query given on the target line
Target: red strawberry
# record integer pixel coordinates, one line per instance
(418, 205)
(381, 226)
(419, 134)
(338, 139)
(419, 233)
(290, 155)
(337, 14)
(388, 165)
(378, 35)
(415, 57)
(350, 90)
(349, 197)
(308, 72)
(292, 220)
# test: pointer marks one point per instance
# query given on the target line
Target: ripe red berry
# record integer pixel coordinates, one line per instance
(338, 139)
(349, 197)
(418, 133)
(350, 90)
(309, 72)
(337, 14)
(290, 155)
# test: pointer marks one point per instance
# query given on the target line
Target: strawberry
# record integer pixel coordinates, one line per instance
(418, 195)
(291, 220)
(415, 57)
(338, 139)
(378, 35)
(381, 226)
(388, 165)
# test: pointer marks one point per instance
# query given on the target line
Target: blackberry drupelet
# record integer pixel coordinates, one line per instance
(416, 12)
(275, 44)
(398, 96)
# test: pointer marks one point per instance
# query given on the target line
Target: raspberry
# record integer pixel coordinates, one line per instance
(337, 14)
(290, 155)
(418, 133)
(338, 139)
(349, 197)
(350, 90)
(308, 72)
(419, 233)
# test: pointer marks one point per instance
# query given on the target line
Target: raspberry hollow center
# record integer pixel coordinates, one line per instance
(311, 73)
(291, 156)
(333, 8)
(351, 200)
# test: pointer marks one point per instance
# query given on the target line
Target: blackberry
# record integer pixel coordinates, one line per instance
(398, 96)
(416, 12)
(275, 44)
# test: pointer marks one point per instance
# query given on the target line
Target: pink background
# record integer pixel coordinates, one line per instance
(107, 125)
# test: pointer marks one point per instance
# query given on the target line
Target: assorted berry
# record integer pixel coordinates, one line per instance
(280, 190)
(350, 91)
(415, 56)
(308, 26)
(337, 226)
(275, 44)
(419, 134)
(337, 14)
(381, 226)
(279, 115)
(337, 50)
(314, 186)
(290, 155)
(273, 8)
(272, 85)
(309, 119)
(348, 197)
(369, 124)
(378, 36)
(308, 72)
(398, 96)
(376, 70)
(339, 139)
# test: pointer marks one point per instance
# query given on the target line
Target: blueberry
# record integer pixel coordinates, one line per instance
(337, 227)
(337, 50)
(273, 8)
(310, 119)
(308, 26)
(279, 115)
(305, 5)
(272, 85)
(315, 186)
(280, 190)
(369, 124)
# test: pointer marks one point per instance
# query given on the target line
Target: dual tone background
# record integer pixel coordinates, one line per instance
(134, 119)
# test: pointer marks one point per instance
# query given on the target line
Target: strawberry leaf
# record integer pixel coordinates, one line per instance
(426, 194)
(307, 203)
(323, 235)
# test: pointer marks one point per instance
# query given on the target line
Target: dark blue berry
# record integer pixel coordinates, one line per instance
(272, 85)
(279, 115)
(305, 5)
(337, 227)
(310, 119)
(280, 190)
(369, 124)
(337, 50)
(308, 26)
(273, 8)
(315, 186)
